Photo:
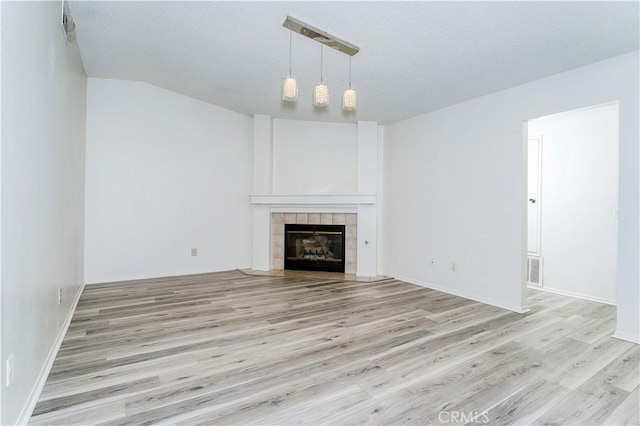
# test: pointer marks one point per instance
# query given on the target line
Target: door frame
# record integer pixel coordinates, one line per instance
(524, 201)
(539, 137)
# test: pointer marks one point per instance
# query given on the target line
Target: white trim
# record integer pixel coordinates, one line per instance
(524, 224)
(486, 300)
(36, 390)
(311, 199)
(156, 276)
(633, 338)
(576, 295)
(538, 252)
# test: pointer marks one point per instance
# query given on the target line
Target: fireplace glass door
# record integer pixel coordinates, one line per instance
(314, 247)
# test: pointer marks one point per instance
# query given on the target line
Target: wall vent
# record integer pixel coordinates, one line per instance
(534, 270)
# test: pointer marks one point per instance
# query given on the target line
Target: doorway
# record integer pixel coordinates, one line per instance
(572, 201)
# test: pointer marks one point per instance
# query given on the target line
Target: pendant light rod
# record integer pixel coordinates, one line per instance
(290, 50)
(320, 36)
(321, 64)
(290, 84)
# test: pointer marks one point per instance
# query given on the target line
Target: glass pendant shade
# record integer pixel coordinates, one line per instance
(289, 89)
(349, 100)
(321, 95)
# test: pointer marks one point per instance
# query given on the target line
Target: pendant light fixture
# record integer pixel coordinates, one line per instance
(349, 96)
(289, 84)
(321, 91)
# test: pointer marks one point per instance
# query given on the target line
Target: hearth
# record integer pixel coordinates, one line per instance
(314, 247)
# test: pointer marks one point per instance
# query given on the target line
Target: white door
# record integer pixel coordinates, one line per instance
(533, 194)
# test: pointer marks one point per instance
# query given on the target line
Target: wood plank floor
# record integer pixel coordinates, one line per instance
(230, 348)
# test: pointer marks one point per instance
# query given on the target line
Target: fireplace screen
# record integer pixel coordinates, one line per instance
(314, 247)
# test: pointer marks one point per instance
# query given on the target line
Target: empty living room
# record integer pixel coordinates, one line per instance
(320, 212)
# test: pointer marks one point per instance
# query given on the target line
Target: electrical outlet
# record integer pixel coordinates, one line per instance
(454, 266)
(10, 370)
(59, 296)
(194, 252)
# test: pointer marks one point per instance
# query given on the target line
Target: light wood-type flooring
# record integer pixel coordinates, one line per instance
(230, 348)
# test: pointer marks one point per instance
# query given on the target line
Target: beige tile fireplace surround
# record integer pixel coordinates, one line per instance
(358, 212)
(350, 220)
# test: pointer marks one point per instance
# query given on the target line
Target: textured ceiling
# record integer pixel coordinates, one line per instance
(415, 57)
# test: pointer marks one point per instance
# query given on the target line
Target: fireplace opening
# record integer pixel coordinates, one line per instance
(314, 247)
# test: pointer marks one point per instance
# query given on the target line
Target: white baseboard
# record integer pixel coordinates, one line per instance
(481, 299)
(34, 395)
(576, 295)
(125, 278)
(633, 338)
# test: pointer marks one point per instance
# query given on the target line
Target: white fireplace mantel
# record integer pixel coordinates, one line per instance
(313, 200)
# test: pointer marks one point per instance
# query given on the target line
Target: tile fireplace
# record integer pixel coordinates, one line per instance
(357, 213)
(328, 221)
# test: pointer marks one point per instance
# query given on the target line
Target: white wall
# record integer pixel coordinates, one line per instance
(579, 201)
(43, 142)
(262, 154)
(165, 173)
(451, 197)
(314, 157)
(455, 187)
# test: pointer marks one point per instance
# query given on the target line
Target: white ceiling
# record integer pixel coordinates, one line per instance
(415, 57)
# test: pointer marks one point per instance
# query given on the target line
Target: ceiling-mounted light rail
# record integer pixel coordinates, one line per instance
(320, 36)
